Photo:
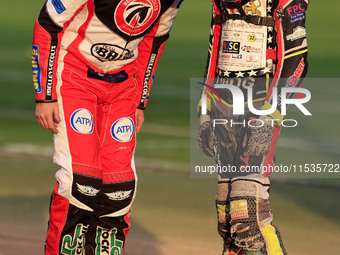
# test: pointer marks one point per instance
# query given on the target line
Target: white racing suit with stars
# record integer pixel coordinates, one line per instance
(258, 44)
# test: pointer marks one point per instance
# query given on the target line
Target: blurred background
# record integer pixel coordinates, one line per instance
(173, 213)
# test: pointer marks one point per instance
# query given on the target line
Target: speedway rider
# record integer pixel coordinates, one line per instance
(93, 63)
(260, 44)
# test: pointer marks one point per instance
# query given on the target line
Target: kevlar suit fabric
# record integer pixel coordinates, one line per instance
(262, 45)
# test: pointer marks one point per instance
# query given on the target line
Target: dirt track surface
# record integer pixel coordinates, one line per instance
(21, 238)
(27, 238)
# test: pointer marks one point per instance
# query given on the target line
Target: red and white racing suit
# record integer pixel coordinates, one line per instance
(96, 58)
(258, 44)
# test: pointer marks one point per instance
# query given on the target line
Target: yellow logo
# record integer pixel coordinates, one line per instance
(252, 38)
(253, 8)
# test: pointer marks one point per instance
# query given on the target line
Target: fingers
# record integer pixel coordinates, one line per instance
(42, 120)
(52, 126)
(139, 120)
(46, 121)
(56, 115)
(47, 115)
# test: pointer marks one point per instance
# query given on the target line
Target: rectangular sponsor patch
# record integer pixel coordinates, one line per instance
(58, 5)
(296, 13)
(238, 209)
(231, 47)
(36, 69)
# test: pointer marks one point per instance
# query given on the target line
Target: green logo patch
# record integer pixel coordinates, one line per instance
(75, 245)
(107, 243)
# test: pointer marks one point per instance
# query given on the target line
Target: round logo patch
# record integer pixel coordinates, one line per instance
(133, 17)
(82, 121)
(123, 129)
(252, 38)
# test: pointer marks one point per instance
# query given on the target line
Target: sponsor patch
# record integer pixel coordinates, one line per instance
(225, 56)
(297, 17)
(119, 195)
(221, 211)
(250, 59)
(36, 69)
(148, 72)
(58, 5)
(296, 13)
(135, 17)
(109, 52)
(237, 56)
(238, 209)
(51, 59)
(74, 245)
(252, 38)
(107, 243)
(252, 8)
(231, 47)
(251, 49)
(123, 129)
(82, 121)
(238, 44)
(295, 78)
(87, 190)
(298, 33)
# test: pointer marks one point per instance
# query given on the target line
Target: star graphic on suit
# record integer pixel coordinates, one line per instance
(266, 70)
(239, 74)
(252, 73)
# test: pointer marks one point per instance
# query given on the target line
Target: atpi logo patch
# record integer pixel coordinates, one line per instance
(123, 129)
(82, 121)
(133, 17)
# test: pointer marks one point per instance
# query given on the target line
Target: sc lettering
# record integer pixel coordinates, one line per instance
(233, 46)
